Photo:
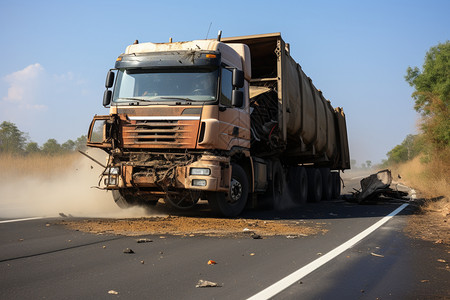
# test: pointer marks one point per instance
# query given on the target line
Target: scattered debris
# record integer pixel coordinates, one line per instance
(252, 254)
(142, 262)
(143, 241)
(205, 283)
(256, 236)
(245, 230)
(128, 251)
(104, 247)
(377, 255)
(21, 240)
(439, 241)
(441, 260)
(211, 262)
(113, 292)
(424, 280)
(376, 186)
(291, 236)
(162, 227)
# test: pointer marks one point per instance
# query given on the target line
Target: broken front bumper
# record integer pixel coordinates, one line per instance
(207, 173)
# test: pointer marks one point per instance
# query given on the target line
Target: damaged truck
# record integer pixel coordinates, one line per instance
(234, 121)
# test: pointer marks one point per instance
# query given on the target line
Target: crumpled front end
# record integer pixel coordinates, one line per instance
(167, 172)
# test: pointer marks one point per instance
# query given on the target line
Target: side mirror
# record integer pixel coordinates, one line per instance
(107, 97)
(109, 79)
(237, 98)
(238, 78)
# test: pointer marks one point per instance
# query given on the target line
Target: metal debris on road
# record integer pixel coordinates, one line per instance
(144, 241)
(377, 255)
(376, 186)
(128, 251)
(205, 283)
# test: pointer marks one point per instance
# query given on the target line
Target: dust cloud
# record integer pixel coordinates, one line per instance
(71, 193)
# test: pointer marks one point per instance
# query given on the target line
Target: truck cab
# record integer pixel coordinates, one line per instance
(179, 118)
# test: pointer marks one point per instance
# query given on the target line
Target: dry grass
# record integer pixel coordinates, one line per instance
(431, 179)
(37, 165)
(432, 182)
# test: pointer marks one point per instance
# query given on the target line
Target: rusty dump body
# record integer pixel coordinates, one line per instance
(212, 119)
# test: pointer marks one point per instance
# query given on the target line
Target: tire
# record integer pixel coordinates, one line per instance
(234, 203)
(327, 184)
(121, 200)
(277, 185)
(298, 184)
(336, 179)
(314, 185)
(126, 199)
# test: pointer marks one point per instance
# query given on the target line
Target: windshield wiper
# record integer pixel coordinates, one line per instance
(136, 99)
(186, 100)
(177, 98)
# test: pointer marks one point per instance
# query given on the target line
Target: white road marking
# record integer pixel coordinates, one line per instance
(20, 220)
(287, 281)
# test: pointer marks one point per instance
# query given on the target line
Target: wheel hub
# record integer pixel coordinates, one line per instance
(235, 190)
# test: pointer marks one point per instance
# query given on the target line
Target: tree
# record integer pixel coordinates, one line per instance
(12, 140)
(368, 164)
(32, 147)
(68, 146)
(432, 93)
(80, 143)
(51, 147)
(411, 146)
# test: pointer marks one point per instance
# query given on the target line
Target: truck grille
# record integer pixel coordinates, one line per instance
(157, 133)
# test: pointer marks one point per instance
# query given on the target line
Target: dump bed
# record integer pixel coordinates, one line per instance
(289, 115)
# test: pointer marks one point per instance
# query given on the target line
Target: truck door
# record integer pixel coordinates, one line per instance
(234, 121)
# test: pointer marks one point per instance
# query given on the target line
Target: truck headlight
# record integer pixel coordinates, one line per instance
(200, 171)
(198, 182)
(112, 171)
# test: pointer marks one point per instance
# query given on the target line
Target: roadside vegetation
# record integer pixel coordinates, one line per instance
(423, 160)
(21, 157)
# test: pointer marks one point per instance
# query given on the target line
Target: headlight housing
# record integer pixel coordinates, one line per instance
(112, 171)
(198, 182)
(200, 171)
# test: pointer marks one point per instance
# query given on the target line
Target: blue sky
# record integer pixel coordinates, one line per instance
(55, 55)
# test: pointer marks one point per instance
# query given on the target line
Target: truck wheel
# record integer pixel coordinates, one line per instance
(234, 203)
(298, 184)
(314, 185)
(336, 179)
(278, 181)
(122, 200)
(126, 199)
(327, 184)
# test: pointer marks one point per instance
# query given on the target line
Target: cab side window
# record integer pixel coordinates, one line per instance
(226, 87)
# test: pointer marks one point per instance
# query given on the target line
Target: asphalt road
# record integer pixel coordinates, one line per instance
(41, 260)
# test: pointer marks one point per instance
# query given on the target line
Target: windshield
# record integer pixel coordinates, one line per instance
(160, 86)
